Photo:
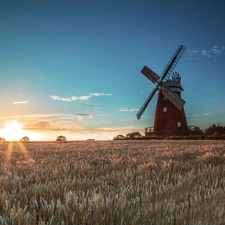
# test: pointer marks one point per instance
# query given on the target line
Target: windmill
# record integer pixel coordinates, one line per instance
(169, 114)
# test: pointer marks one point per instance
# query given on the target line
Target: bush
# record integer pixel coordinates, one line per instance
(191, 137)
(61, 138)
(24, 139)
(215, 137)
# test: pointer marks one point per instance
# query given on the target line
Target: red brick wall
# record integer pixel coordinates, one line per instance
(167, 121)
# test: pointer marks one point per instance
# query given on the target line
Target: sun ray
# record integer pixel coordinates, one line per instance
(13, 131)
(9, 152)
(23, 149)
(25, 152)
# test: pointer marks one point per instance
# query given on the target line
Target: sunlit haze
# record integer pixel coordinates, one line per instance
(72, 68)
(13, 132)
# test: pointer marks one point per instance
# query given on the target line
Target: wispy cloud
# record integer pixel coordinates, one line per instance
(45, 122)
(81, 98)
(126, 109)
(91, 105)
(100, 94)
(83, 114)
(49, 126)
(211, 52)
(46, 118)
(204, 114)
(40, 125)
(20, 102)
(203, 52)
(84, 97)
(90, 114)
(194, 51)
(55, 97)
(207, 114)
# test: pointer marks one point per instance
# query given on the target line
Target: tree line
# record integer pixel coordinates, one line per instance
(27, 139)
(215, 130)
(212, 132)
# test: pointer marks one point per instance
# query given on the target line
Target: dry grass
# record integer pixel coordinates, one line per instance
(113, 183)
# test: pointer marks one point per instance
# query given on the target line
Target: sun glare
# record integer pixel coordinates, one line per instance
(13, 131)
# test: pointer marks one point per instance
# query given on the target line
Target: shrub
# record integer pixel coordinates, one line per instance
(24, 139)
(61, 138)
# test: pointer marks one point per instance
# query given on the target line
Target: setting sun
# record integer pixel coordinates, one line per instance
(13, 131)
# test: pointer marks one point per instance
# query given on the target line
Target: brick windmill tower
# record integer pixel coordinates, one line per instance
(170, 117)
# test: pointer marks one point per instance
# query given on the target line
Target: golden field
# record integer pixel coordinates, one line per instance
(112, 183)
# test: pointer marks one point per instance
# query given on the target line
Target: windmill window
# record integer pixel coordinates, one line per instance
(165, 98)
(178, 124)
(164, 109)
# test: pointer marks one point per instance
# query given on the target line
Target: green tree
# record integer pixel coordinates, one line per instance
(195, 130)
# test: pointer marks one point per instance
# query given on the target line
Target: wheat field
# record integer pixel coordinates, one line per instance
(112, 183)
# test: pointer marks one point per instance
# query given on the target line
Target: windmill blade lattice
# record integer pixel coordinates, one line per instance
(144, 106)
(173, 62)
(165, 75)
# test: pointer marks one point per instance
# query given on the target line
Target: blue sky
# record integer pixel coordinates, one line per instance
(73, 67)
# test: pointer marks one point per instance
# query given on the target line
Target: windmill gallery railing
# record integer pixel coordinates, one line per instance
(149, 131)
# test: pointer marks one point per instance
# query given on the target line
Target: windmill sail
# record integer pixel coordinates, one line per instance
(173, 62)
(173, 97)
(151, 75)
(144, 106)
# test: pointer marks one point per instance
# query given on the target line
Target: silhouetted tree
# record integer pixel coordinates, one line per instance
(195, 130)
(61, 138)
(24, 139)
(119, 137)
(133, 135)
(215, 129)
